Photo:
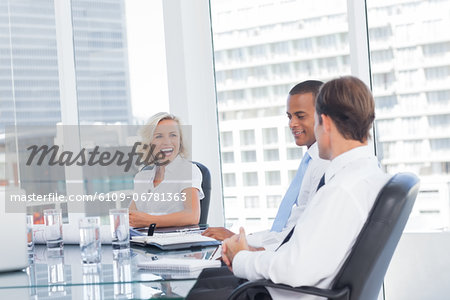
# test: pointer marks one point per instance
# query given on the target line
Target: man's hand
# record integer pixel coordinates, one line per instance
(139, 219)
(218, 233)
(232, 246)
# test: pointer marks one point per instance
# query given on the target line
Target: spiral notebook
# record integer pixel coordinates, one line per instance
(178, 265)
(175, 241)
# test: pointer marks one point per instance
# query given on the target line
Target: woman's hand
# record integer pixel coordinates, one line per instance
(139, 219)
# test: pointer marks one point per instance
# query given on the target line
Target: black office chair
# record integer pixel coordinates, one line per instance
(362, 274)
(206, 187)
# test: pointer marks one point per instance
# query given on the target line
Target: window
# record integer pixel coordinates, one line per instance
(386, 103)
(270, 135)
(248, 156)
(294, 153)
(383, 81)
(381, 56)
(262, 92)
(436, 50)
(276, 53)
(229, 179)
(380, 33)
(438, 98)
(440, 145)
(257, 52)
(228, 157)
(271, 155)
(273, 178)
(437, 73)
(303, 45)
(439, 122)
(109, 49)
(273, 201)
(405, 56)
(280, 49)
(410, 72)
(280, 71)
(226, 139)
(251, 202)
(235, 55)
(407, 78)
(327, 41)
(250, 178)
(247, 137)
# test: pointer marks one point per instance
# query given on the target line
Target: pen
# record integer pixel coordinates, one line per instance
(212, 255)
(151, 229)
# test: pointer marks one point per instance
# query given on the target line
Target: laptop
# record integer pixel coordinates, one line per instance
(13, 239)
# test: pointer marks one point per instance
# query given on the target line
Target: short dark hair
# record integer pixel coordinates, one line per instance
(349, 103)
(308, 86)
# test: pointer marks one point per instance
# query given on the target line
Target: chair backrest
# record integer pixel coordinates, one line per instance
(206, 187)
(366, 266)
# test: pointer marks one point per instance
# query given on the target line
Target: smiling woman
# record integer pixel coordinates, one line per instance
(168, 190)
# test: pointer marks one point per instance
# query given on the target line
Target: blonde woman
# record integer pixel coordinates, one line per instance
(167, 190)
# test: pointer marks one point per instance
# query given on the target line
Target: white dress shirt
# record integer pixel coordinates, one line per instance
(325, 233)
(270, 240)
(178, 175)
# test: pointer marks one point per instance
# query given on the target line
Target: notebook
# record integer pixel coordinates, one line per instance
(175, 241)
(178, 265)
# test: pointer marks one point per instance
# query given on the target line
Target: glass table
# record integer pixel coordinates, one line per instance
(116, 277)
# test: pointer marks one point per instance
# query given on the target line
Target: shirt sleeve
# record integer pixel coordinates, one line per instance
(196, 181)
(331, 226)
(255, 239)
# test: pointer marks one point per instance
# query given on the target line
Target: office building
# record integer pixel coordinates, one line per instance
(29, 74)
(263, 48)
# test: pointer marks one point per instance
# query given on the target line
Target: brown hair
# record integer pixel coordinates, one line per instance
(349, 103)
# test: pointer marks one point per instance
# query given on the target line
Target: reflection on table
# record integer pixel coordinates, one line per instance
(116, 277)
(138, 290)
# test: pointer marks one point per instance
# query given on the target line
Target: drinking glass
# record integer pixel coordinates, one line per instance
(120, 228)
(90, 242)
(53, 230)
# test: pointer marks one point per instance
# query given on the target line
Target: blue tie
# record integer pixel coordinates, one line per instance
(288, 237)
(291, 196)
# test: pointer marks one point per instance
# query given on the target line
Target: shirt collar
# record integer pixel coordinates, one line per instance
(345, 158)
(313, 151)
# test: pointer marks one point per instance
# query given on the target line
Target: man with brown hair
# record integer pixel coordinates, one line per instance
(318, 245)
(300, 110)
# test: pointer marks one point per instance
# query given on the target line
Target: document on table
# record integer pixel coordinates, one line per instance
(178, 265)
(173, 241)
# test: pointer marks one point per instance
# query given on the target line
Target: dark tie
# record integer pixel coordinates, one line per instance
(321, 183)
(288, 237)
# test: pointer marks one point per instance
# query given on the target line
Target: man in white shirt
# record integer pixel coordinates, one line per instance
(318, 245)
(300, 112)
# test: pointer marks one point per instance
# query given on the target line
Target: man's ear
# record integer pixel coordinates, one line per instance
(326, 123)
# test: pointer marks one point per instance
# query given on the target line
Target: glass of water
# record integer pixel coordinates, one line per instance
(120, 228)
(90, 242)
(53, 230)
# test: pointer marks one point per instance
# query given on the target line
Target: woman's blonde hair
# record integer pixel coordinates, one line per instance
(147, 131)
